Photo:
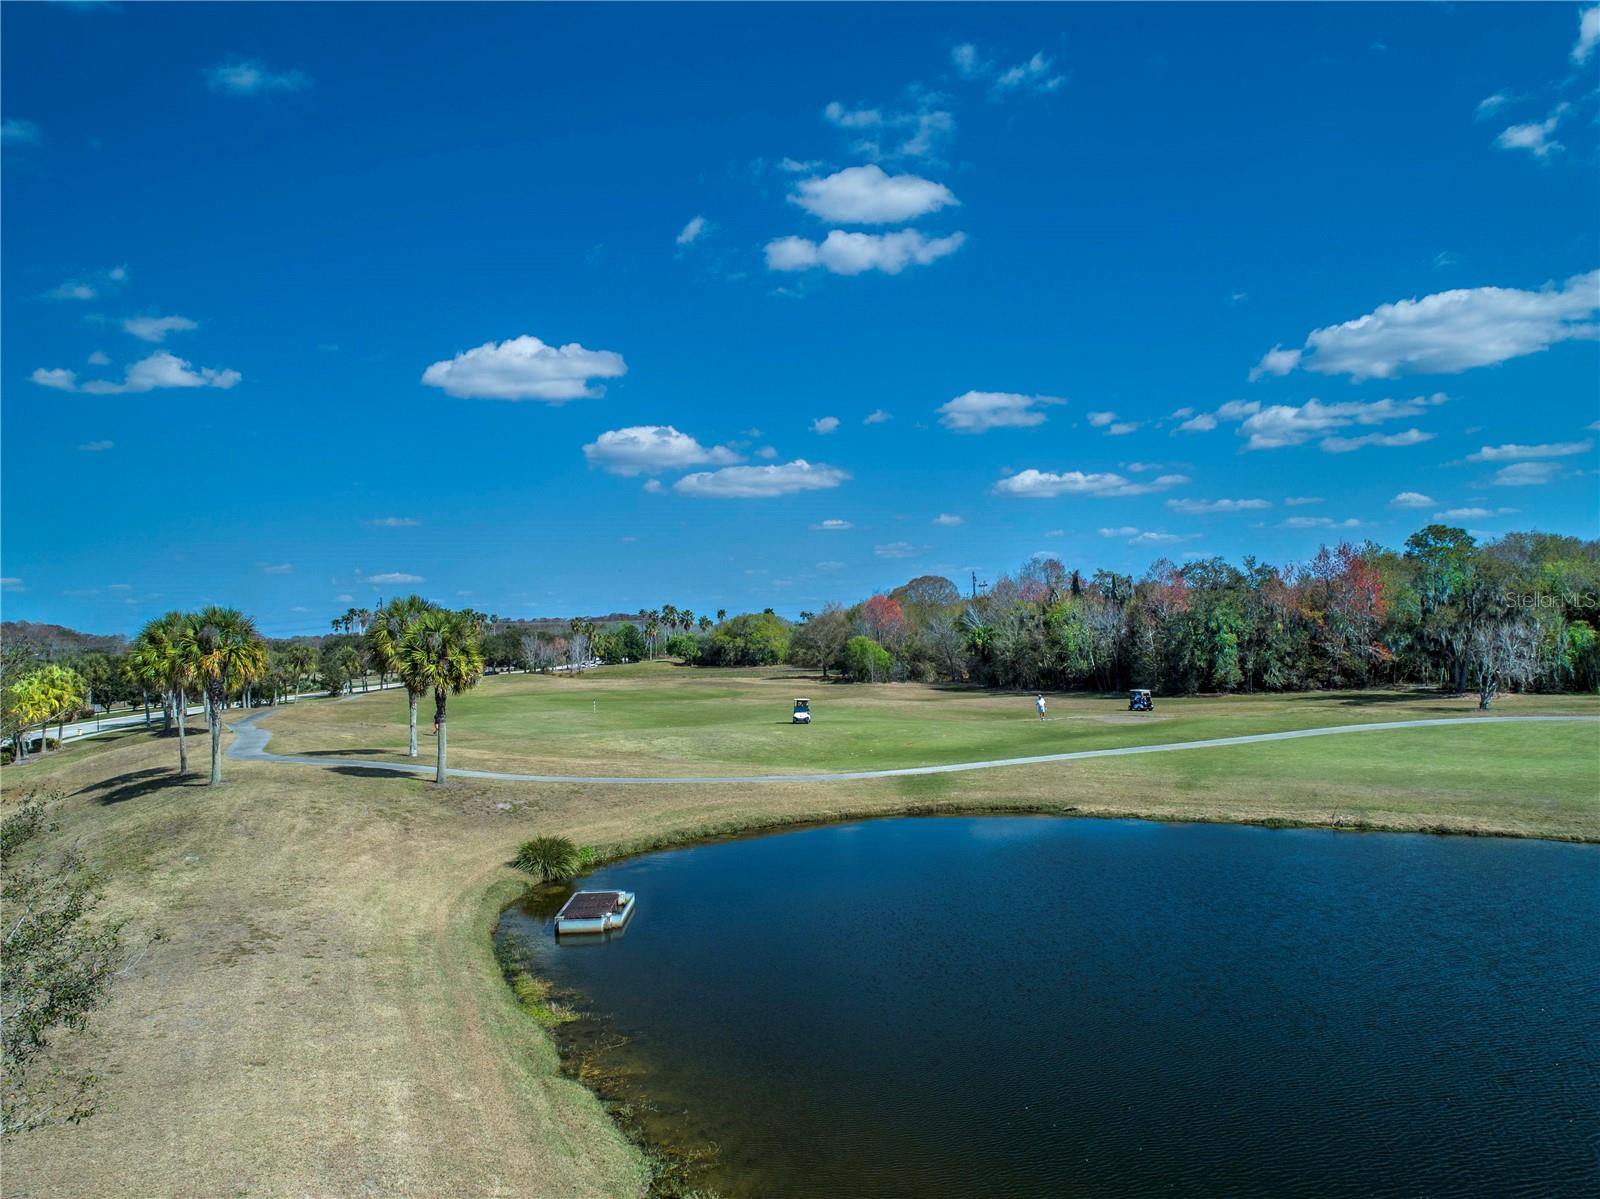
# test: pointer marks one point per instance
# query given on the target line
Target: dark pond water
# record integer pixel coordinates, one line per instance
(1032, 1007)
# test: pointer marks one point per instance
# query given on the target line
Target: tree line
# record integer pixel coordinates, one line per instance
(1445, 611)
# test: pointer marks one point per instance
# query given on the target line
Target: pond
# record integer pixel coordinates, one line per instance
(1028, 1006)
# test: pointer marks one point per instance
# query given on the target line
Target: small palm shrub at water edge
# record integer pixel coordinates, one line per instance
(553, 858)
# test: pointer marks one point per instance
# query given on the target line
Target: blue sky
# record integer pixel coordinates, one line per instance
(571, 309)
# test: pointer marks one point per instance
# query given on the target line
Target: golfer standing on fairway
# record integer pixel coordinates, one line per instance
(1038, 702)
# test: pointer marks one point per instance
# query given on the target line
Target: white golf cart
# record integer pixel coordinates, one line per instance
(802, 711)
(1139, 700)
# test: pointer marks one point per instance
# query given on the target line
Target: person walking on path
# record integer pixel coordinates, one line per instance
(1038, 702)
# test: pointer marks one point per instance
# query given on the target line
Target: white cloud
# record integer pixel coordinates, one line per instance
(1120, 531)
(11, 583)
(96, 447)
(851, 118)
(980, 411)
(252, 77)
(1203, 423)
(925, 129)
(1153, 537)
(1101, 419)
(525, 368)
(966, 61)
(762, 482)
(692, 231)
(14, 131)
(161, 369)
(99, 358)
(1280, 425)
(276, 568)
(1319, 522)
(394, 522)
(1588, 35)
(345, 599)
(156, 328)
(648, 449)
(877, 417)
(1037, 484)
(58, 378)
(1276, 361)
(866, 195)
(1553, 449)
(1490, 105)
(1471, 513)
(767, 452)
(1536, 137)
(1452, 331)
(395, 576)
(1344, 445)
(854, 253)
(825, 424)
(947, 519)
(1411, 499)
(1296, 501)
(72, 290)
(1198, 507)
(653, 486)
(896, 549)
(1122, 428)
(833, 526)
(1034, 75)
(1526, 474)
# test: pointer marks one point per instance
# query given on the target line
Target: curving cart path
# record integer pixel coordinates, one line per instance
(250, 744)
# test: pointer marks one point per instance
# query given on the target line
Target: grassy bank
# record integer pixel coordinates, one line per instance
(325, 1015)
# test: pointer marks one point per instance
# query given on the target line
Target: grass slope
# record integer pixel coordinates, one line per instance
(324, 1016)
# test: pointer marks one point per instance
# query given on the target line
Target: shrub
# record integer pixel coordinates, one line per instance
(552, 858)
(867, 661)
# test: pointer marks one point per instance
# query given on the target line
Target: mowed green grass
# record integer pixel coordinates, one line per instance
(667, 720)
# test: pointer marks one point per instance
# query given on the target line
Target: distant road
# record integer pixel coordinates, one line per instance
(250, 744)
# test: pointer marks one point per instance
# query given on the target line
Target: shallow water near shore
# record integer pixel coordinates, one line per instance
(1031, 1006)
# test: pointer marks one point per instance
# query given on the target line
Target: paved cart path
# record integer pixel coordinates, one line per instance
(250, 744)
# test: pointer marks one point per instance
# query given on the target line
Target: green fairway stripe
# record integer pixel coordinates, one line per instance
(250, 744)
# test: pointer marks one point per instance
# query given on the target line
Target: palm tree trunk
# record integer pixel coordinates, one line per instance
(183, 732)
(412, 696)
(146, 695)
(439, 717)
(216, 732)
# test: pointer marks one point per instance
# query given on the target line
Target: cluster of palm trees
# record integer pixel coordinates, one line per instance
(428, 648)
(674, 620)
(212, 653)
(43, 696)
(217, 654)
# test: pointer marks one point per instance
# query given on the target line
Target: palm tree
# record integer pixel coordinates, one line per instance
(705, 624)
(222, 648)
(300, 660)
(363, 621)
(440, 651)
(348, 661)
(385, 636)
(158, 660)
(722, 615)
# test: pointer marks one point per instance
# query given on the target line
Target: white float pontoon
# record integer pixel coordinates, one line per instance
(594, 912)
